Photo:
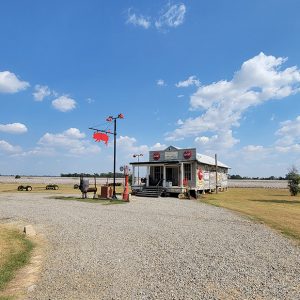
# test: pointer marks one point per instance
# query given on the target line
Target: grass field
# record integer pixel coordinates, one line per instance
(15, 252)
(274, 207)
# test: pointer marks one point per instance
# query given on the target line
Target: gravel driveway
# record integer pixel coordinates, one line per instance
(155, 249)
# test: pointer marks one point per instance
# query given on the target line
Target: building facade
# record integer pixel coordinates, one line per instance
(176, 169)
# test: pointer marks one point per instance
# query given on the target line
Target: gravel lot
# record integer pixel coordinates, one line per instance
(155, 249)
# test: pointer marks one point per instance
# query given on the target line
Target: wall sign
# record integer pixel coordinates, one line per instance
(187, 154)
(171, 155)
(156, 155)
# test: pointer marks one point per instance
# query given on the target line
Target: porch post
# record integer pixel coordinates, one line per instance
(147, 175)
(133, 176)
(164, 176)
(181, 175)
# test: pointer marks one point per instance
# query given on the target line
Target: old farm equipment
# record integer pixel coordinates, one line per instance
(84, 187)
(25, 188)
(51, 187)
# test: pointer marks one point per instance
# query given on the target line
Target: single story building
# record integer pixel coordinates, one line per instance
(175, 170)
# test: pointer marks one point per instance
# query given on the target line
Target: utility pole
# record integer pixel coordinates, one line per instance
(216, 164)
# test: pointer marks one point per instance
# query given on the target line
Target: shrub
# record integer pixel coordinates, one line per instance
(293, 178)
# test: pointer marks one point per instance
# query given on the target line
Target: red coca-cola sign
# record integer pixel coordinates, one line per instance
(156, 155)
(187, 154)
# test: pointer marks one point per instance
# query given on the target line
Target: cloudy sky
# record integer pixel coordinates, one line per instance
(221, 76)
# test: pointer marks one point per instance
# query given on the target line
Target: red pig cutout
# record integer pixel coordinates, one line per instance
(99, 136)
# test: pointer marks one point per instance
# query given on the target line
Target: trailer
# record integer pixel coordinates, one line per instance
(174, 171)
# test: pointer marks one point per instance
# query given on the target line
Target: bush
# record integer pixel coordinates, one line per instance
(293, 178)
(17, 177)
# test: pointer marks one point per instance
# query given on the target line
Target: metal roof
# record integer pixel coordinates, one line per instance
(209, 160)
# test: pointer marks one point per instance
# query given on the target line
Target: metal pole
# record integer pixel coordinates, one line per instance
(216, 163)
(115, 138)
(138, 170)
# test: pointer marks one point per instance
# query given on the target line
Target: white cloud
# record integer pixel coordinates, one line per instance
(89, 100)
(74, 133)
(64, 103)
(14, 128)
(138, 20)
(129, 146)
(223, 103)
(41, 91)
(289, 136)
(157, 146)
(171, 16)
(192, 80)
(180, 96)
(160, 82)
(70, 141)
(10, 83)
(222, 140)
(8, 148)
(254, 149)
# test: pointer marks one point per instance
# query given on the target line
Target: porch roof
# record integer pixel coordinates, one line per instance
(153, 163)
(203, 159)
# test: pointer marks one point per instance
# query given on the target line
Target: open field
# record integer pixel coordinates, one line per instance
(44, 180)
(274, 207)
(271, 184)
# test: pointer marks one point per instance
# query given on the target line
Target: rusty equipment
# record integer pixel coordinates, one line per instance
(25, 188)
(51, 187)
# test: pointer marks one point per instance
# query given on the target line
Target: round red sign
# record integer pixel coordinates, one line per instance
(187, 154)
(156, 155)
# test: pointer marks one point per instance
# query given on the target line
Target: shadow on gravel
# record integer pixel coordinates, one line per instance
(278, 201)
(89, 200)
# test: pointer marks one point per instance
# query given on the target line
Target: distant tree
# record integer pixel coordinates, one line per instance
(234, 177)
(293, 178)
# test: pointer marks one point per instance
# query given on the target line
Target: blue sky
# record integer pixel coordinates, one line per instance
(221, 76)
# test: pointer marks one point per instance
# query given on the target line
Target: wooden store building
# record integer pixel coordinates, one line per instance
(173, 170)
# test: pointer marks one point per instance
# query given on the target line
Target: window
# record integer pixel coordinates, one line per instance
(157, 173)
(187, 171)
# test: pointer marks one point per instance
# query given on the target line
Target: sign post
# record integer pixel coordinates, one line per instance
(104, 137)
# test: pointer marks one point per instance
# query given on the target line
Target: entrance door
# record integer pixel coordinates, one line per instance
(172, 175)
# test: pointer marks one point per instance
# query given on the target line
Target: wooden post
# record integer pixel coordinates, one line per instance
(216, 163)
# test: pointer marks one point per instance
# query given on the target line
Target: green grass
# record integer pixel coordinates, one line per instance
(101, 201)
(273, 207)
(7, 297)
(15, 252)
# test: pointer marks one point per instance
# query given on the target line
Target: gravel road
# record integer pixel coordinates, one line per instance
(155, 249)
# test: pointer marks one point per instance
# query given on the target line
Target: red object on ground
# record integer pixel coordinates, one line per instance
(99, 136)
(106, 192)
(126, 192)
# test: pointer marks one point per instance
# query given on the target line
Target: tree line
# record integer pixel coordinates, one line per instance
(101, 175)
